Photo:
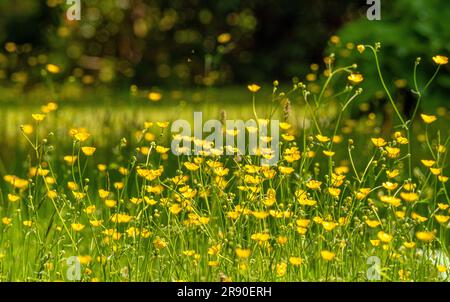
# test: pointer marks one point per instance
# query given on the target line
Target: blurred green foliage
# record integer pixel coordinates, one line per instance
(408, 30)
(185, 43)
(177, 42)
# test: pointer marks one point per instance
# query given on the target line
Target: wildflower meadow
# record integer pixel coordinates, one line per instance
(303, 179)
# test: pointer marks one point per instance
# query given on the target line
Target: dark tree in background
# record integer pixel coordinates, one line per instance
(176, 42)
(292, 34)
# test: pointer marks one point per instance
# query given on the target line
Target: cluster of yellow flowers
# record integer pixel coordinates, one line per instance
(154, 216)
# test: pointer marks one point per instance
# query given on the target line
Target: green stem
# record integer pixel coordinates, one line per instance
(254, 107)
(385, 87)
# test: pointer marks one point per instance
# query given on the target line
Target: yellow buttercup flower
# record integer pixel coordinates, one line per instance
(441, 268)
(361, 48)
(85, 259)
(327, 255)
(390, 185)
(392, 152)
(372, 223)
(409, 245)
(440, 60)
(90, 209)
(401, 140)
(307, 202)
(103, 193)
(52, 68)
(154, 96)
(270, 198)
(442, 218)
(27, 129)
(52, 194)
(392, 174)
(441, 148)
(428, 119)
(150, 201)
(82, 135)
(260, 237)
(13, 198)
(260, 214)
(329, 225)
(52, 106)
(224, 38)
(322, 138)
(436, 171)
(318, 220)
(443, 178)
(70, 159)
(428, 163)
(96, 223)
(214, 250)
(337, 139)
(303, 223)
(159, 243)
(243, 253)
(77, 227)
(282, 240)
(285, 170)
(314, 184)
(392, 200)
(189, 253)
(302, 231)
(16, 181)
(426, 236)
(335, 39)
(121, 218)
(355, 78)
(161, 149)
(88, 151)
(110, 203)
(310, 154)
(253, 88)
(79, 195)
(285, 126)
(329, 153)
(213, 263)
(295, 261)
(404, 274)
(191, 166)
(362, 193)
(175, 209)
(418, 217)
(287, 137)
(409, 196)
(443, 206)
(337, 180)
(374, 242)
(384, 237)
(335, 192)
(379, 142)
(281, 269)
(38, 117)
(162, 124)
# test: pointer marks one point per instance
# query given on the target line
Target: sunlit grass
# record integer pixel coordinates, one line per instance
(100, 184)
